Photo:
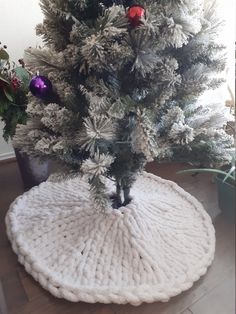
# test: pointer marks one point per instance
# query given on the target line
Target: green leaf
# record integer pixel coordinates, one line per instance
(206, 170)
(23, 75)
(231, 171)
(233, 161)
(8, 94)
(3, 54)
(3, 79)
(4, 104)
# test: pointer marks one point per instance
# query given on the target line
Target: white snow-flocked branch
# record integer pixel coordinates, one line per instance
(95, 129)
(97, 166)
(143, 137)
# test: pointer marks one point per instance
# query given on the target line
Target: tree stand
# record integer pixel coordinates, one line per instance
(149, 250)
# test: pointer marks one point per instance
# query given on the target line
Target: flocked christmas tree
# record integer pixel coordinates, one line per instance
(119, 86)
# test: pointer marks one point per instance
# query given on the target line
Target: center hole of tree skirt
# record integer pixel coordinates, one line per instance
(117, 203)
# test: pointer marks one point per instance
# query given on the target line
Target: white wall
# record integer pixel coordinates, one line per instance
(227, 9)
(18, 19)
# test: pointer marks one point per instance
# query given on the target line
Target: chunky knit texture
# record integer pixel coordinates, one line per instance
(150, 250)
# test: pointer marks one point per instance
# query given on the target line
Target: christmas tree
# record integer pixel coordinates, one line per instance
(119, 86)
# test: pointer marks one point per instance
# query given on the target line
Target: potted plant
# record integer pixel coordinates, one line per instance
(14, 82)
(226, 184)
(13, 89)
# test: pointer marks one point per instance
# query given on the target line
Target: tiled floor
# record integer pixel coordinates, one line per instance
(212, 294)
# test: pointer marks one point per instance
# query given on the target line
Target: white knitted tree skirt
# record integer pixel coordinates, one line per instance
(150, 250)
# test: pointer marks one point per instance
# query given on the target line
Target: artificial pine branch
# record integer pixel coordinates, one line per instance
(126, 93)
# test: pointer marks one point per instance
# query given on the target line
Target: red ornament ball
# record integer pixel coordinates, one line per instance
(135, 14)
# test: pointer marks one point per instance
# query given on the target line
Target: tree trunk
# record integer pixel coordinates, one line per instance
(127, 197)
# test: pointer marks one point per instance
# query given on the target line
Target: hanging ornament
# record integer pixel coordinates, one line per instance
(135, 14)
(40, 86)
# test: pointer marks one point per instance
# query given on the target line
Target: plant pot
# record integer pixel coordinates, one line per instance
(33, 171)
(226, 196)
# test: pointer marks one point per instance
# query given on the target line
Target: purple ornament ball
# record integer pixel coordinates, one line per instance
(40, 86)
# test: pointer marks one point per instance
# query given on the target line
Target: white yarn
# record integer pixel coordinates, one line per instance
(150, 250)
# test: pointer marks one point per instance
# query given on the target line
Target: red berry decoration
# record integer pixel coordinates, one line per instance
(15, 83)
(135, 14)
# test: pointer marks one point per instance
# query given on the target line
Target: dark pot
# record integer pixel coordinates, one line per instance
(33, 171)
(226, 196)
